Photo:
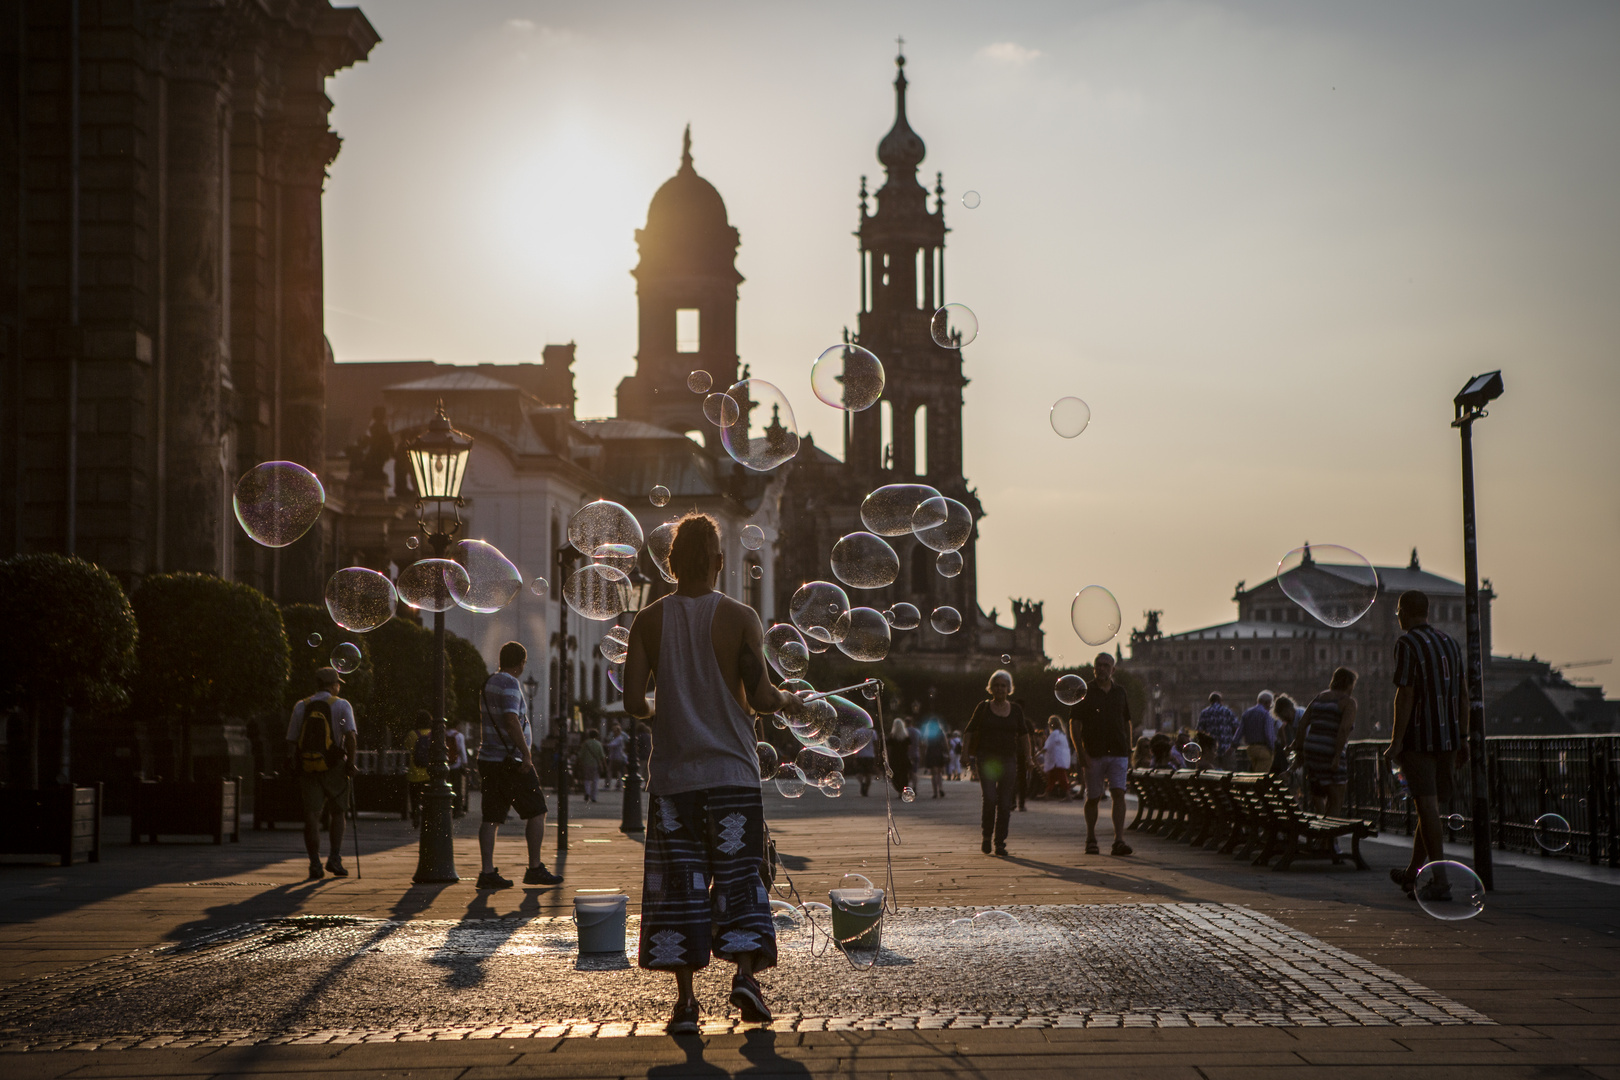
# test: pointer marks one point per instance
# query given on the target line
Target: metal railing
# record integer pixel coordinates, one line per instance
(1574, 776)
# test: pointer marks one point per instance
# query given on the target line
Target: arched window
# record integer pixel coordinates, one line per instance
(886, 434)
(922, 570)
(920, 433)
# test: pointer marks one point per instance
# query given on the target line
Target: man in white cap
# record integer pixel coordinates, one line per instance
(321, 740)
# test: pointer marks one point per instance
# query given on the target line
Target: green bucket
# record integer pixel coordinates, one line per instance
(856, 915)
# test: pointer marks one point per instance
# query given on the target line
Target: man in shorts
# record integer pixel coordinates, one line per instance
(507, 770)
(1429, 735)
(322, 750)
(1100, 724)
(702, 889)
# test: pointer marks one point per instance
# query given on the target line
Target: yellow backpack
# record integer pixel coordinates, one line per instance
(316, 750)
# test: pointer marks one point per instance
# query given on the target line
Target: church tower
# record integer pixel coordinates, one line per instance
(686, 291)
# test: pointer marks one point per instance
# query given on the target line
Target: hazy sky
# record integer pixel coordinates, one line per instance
(1267, 242)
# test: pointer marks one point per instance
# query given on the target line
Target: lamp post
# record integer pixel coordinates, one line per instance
(1470, 403)
(630, 820)
(439, 464)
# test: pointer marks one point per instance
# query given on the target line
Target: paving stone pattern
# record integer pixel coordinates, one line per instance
(340, 979)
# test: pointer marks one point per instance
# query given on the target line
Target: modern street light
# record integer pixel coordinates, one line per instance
(439, 463)
(1470, 403)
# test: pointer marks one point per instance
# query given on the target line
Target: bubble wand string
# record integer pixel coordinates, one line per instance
(819, 694)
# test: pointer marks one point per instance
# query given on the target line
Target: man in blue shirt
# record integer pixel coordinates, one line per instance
(1259, 733)
(1220, 724)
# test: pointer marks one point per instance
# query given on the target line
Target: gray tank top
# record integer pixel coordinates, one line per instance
(701, 737)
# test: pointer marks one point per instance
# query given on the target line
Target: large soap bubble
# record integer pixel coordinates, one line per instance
(1069, 689)
(1333, 583)
(785, 650)
(948, 563)
(603, 522)
(851, 730)
(945, 620)
(942, 524)
(904, 616)
(790, 782)
(277, 502)
(432, 584)
(660, 542)
(721, 409)
(815, 609)
(622, 557)
(765, 434)
(863, 560)
(1070, 416)
(359, 599)
(1094, 613)
(847, 377)
(818, 763)
(752, 537)
(953, 326)
(346, 657)
(492, 580)
(597, 592)
(612, 650)
(862, 633)
(769, 762)
(890, 509)
(1448, 891)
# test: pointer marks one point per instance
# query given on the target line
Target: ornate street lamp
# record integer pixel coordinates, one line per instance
(439, 463)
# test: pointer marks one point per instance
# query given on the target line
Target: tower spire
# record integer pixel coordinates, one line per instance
(686, 149)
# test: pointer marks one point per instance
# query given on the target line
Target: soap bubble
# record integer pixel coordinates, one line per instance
(1552, 832)
(870, 688)
(598, 592)
(1070, 416)
(1069, 689)
(851, 730)
(768, 761)
(277, 502)
(953, 326)
(660, 542)
(752, 537)
(862, 634)
(412, 543)
(795, 660)
(995, 920)
(1454, 822)
(313, 641)
(1333, 583)
(621, 634)
(756, 571)
(721, 410)
(847, 377)
(790, 781)
(815, 608)
(1094, 614)
(540, 587)
(1006, 658)
(699, 381)
(346, 657)
(942, 524)
(785, 915)
(765, 434)
(616, 677)
(359, 599)
(816, 645)
(970, 199)
(432, 584)
(622, 557)
(904, 616)
(613, 651)
(492, 580)
(908, 795)
(1449, 891)
(889, 510)
(832, 785)
(863, 560)
(948, 563)
(856, 881)
(1192, 753)
(945, 620)
(810, 720)
(659, 495)
(603, 522)
(959, 929)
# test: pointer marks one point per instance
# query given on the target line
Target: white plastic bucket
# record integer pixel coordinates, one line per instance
(600, 921)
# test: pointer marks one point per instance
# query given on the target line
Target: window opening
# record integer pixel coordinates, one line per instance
(686, 330)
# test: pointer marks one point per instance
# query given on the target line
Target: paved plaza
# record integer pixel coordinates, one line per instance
(190, 959)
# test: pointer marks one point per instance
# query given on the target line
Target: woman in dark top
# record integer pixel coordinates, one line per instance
(1320, 742)
(898, 745)
(998, 738)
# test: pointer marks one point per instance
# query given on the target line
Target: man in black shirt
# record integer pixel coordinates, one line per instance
(1100, 724)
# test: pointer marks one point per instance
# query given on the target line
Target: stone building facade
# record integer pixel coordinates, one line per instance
(161, 284)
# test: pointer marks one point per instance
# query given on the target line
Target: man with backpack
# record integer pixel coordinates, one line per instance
(322, 740)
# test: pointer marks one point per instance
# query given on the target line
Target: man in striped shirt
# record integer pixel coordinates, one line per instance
(1428, 739)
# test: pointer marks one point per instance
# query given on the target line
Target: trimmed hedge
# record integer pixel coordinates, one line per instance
(209, 649)
(69, 636)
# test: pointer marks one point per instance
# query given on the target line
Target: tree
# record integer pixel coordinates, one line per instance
(209, 650)
(68, 641)
(467, 672)
(402, 675)
(302, 623)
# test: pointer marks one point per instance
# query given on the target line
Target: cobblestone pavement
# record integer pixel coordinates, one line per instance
(338, 979)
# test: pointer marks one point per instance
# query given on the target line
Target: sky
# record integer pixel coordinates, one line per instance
(1267, 243)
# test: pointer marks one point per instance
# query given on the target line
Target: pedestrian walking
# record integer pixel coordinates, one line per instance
(935, 754)
(1430, 733)
(1320, 742)
(322, 740)
(1258, 733)
(618, 754)
(456, 749)
(592, 756)
(1055, 758)
(1221, 725)
(864, 762)
(506, 766)
(898, 747)
(997, 737)
(955, 766)
(1103, 720)
(702, 888)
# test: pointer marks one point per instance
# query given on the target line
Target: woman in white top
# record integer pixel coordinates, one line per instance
(1055, 758)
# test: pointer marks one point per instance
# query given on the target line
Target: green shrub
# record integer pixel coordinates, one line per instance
(402, 675)
(69, 635)
(302, 620)
(467, 673)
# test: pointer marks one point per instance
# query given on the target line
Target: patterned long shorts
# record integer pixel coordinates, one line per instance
(701, 890)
